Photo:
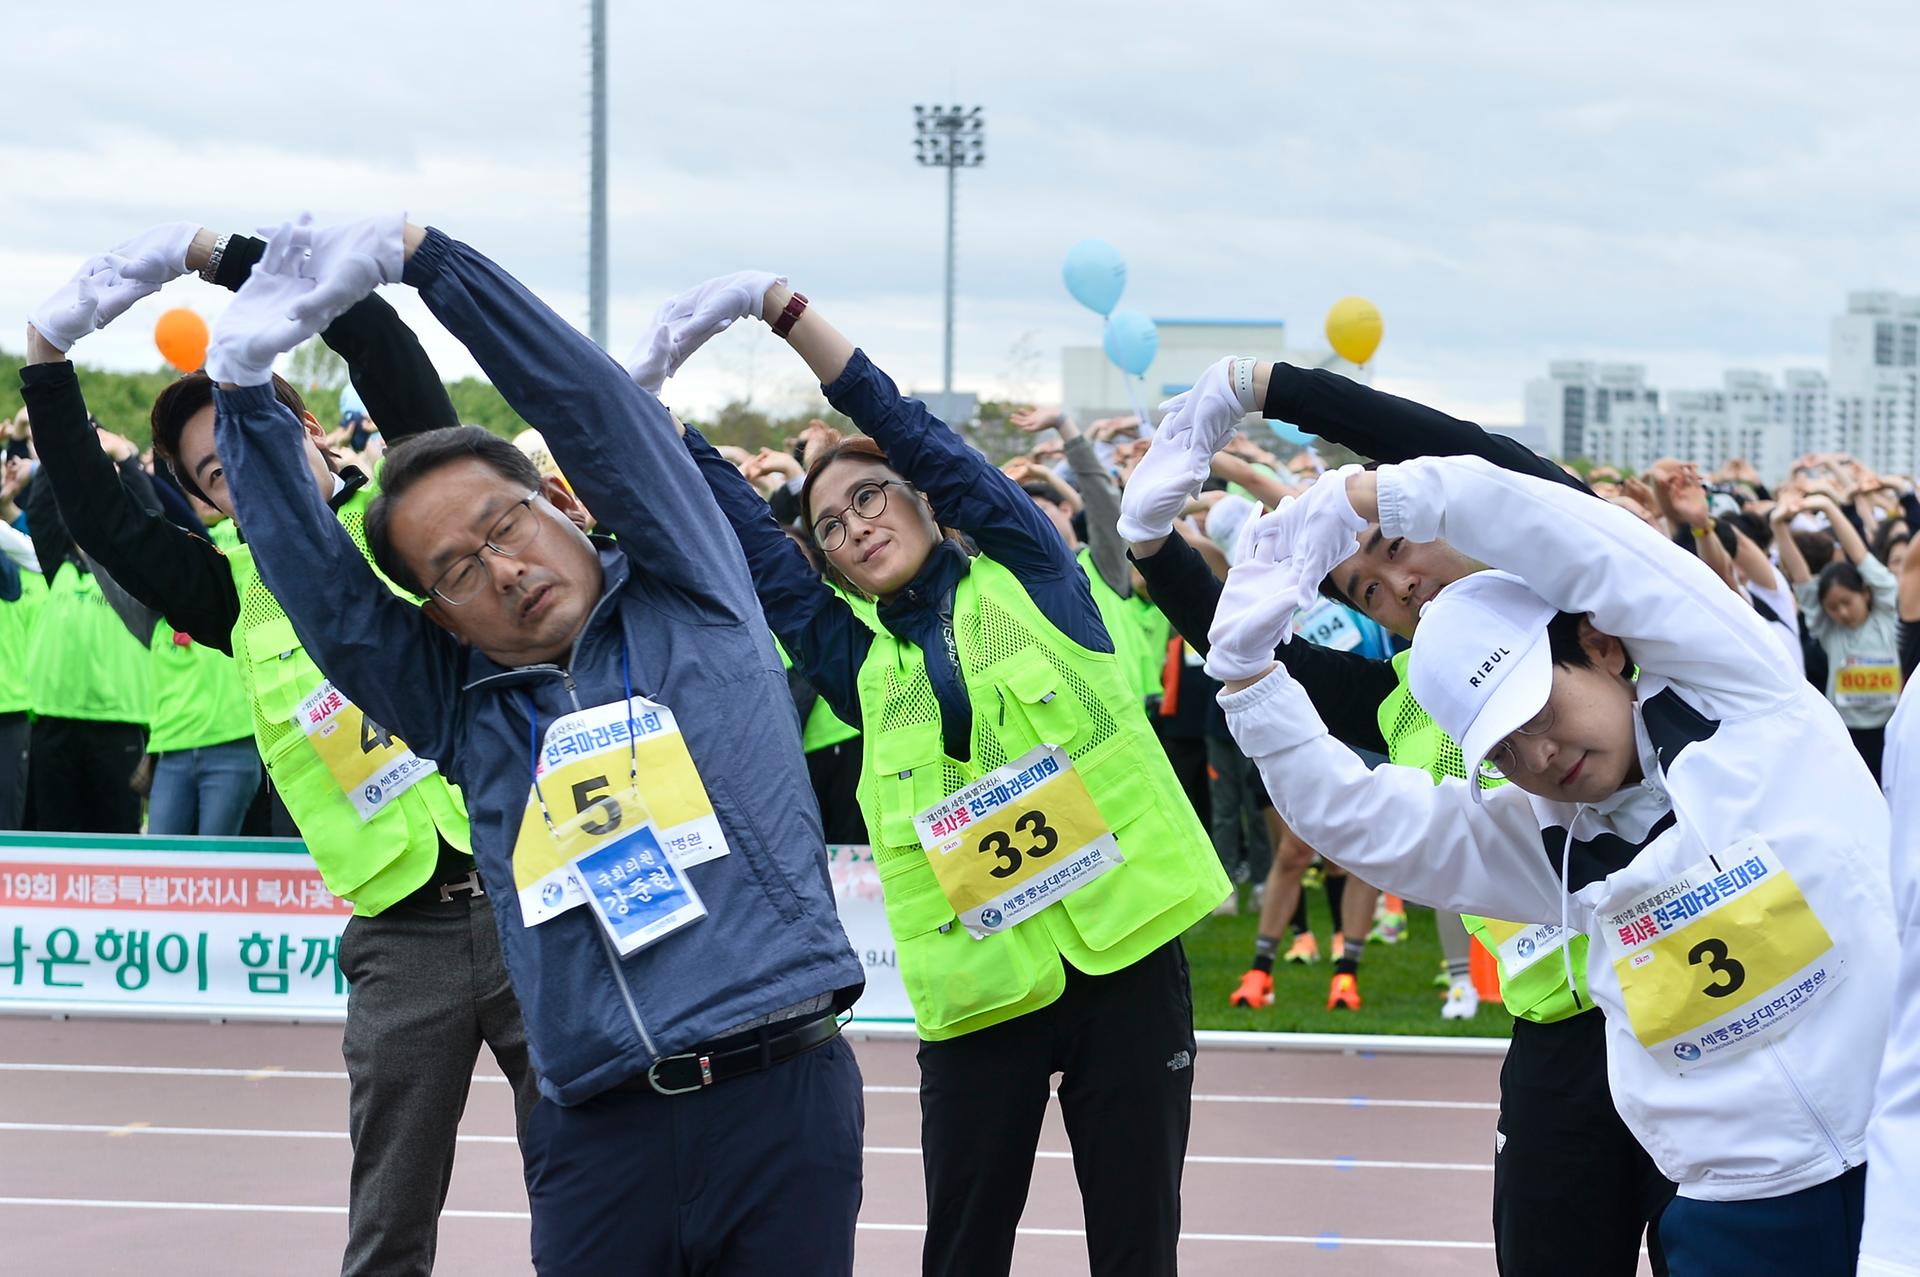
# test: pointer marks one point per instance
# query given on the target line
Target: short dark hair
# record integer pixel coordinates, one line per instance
(1844, 575)
(1889, 534)
(1563, 644)
(1816, 548)
(413, 459)
(177, 405)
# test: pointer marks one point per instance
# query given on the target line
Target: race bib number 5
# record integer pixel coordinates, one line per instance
(371, 765)
(1720, 958)
(1016, 840)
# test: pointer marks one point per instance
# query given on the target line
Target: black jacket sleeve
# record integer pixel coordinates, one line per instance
(1346, 689)
(1388, 428)
(390, 369)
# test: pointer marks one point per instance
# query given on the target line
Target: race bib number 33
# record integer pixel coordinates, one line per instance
(1720, 958)
(1016, 840)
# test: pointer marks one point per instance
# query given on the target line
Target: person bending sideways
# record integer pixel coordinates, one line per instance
(1705, 823)
(617, 717)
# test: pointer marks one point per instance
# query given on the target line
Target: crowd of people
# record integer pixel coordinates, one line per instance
(570, 718)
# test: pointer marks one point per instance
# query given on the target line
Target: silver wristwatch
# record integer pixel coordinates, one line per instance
(212, 268)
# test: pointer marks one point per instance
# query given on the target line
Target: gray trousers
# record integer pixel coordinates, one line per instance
(426, 988)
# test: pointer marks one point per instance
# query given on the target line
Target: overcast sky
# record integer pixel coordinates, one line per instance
(1691, 185)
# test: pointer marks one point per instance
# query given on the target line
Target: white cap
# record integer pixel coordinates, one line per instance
(1481, 664)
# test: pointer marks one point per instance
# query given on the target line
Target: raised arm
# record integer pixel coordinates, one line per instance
(615, 442)
(1392, 826)
(1792, 562)
(1588, 556)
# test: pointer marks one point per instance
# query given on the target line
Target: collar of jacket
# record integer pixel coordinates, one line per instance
(931, 586)
(483, 669)
(352, 479)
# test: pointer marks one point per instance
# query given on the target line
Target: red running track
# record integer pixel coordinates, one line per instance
(151, 1148)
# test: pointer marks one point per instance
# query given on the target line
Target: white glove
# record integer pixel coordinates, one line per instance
(1284, 558)
(106, 285)
(686, 322)
(260, 325)
(347, 261)
(1197, 424)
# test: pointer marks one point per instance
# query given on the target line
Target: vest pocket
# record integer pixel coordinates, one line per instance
(281, 675)
(1040, 696)
(1158, 850)
(953, 980)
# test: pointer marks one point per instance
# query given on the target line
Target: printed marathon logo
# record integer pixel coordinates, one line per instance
(1479, 676)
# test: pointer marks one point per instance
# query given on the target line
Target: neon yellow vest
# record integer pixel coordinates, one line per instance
(1028, 684)
(1125, 631)
(1152, 632)
(372, 863)
(81, 661)
(1540, 992)
(16, 631)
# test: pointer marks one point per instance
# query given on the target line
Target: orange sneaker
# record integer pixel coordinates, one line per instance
(1305, 949)
(1256, 990)
(1344, 993)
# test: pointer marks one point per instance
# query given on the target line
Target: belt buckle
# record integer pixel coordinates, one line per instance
(706, 1075)
(469, 884)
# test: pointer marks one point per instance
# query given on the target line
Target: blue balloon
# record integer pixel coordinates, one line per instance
(1289, 433)
(1132, 341)
(1095, 275)
(350, 401)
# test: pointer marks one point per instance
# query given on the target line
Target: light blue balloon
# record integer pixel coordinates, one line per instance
(350, 401)
(1288, 433)
(1132, 341)
(1095, 275)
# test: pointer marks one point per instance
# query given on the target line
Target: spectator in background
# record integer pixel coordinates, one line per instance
(1850, 609)
(21, 590)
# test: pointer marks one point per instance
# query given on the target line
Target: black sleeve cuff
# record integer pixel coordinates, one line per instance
(238, 261)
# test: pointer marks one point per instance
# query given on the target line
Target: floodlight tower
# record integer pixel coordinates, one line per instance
(953, 138)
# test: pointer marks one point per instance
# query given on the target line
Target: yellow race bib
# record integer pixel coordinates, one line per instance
(1016, 840)
(1720, 958)
(371, 765)
(1867, 683)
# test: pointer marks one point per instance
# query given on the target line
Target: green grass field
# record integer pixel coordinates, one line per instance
(1397, 989)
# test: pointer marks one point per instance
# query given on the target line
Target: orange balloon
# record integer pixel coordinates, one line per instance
(181, 336)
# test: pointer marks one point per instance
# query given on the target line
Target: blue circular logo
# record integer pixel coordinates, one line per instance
(991, 918)
(1525, 947)
(1686, 1051)
(550, 894)
(373, 793)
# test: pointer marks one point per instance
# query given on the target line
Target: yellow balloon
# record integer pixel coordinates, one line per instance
(1354, 329)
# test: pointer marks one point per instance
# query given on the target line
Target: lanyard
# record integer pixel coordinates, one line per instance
(533, 741)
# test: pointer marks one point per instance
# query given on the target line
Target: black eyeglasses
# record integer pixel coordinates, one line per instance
(510, 534)
(869, 502)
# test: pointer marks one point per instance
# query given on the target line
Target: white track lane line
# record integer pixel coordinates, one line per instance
(326, 1075)
(1330, 1241)
(876, 1150)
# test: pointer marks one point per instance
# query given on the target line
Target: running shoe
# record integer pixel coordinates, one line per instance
(1313, 877)
(1344, 993)
(1389, 927)
(1463, 1001)
(1256, 990)
(1441, 979)
(1305, 949)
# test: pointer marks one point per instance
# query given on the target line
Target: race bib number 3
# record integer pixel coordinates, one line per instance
(1016, 840)
(371, 765)
(1720, 958)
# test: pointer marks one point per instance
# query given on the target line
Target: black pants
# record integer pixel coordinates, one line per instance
(81, 771)
(426, 988)
(1124, 1044)
(15, 731)
(756, 1175)
(1573, 1191)
(835, 773)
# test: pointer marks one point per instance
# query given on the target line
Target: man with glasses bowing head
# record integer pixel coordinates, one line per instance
(620, 723)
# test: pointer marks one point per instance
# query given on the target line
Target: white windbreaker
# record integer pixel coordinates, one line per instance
(1890, 1239)
(1763, 755)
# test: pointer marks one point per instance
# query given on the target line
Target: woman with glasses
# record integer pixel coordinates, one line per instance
(1038, 856)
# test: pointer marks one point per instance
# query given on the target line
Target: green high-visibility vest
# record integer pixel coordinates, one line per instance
(375, 862)
(1152, 632)
(197, 696)
(81, 661)
(1029, 684)
(1538, 990)
(1125, 631)
(16, 631)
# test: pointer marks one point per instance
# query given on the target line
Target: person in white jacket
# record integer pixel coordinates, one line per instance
(1706, 823)
(1890, 1240)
